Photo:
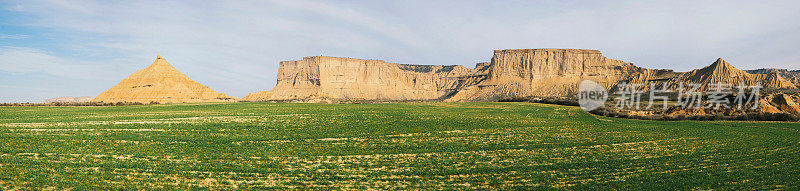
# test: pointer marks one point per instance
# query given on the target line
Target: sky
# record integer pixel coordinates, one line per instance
(61, 48)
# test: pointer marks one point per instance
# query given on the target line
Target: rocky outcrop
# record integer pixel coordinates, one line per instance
(514, 73)
(69, 99)
(160, 83)
(790, 75)
(781, 102)
(349, 78)
(558, 72)
(545, 72)
(718, 72)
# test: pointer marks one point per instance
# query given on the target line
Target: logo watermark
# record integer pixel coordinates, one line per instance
(591, 95)
(636, 96)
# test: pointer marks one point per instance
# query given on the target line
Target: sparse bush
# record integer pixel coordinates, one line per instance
(751, 116)
(546, 100)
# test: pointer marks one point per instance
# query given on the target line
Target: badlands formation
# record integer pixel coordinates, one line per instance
(515, 73)
(349, 78)
(791, 75)
(160, 83)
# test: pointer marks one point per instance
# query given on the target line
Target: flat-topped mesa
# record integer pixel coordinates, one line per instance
(513, 73)
(160, 82)
(545, 63)
(350, 78)
(540, 50)
(545, 72)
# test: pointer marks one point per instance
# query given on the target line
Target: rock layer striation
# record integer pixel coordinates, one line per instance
(544, 72)
(790, 75)
(513, 73)
(160, 82)
(349, 78)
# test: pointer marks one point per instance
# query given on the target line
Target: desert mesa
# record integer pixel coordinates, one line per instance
(512, 73)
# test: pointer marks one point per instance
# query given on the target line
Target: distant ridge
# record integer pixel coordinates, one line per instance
(69, 99)
(790, 75)
(160, 82)
(512, 73)
(723, 72)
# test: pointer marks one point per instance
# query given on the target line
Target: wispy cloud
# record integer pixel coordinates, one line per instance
(20, 60)
(235, 46)
(25, 60)
(13, 36)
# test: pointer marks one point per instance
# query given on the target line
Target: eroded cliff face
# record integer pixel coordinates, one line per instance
(349, 78)
(512, 73)
(780, 103)
(160, 82)
(718, 72)
(545, 72)
(558, 72)
(790, 75)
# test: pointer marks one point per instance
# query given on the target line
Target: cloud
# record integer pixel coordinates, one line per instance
(235, 47)
(13, 36)
(20, 60)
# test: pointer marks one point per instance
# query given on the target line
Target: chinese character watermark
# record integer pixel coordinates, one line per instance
(661, 95)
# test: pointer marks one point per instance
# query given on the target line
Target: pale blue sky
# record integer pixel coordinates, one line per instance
(81, 48)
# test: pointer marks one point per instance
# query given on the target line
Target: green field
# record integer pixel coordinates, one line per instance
(385, 146)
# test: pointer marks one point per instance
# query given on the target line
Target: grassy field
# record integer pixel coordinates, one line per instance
(385, 146)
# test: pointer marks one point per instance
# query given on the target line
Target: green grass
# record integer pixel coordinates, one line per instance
(385, 146)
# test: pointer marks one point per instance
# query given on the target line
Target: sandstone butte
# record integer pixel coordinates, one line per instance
(512, 73)
(160, 83)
